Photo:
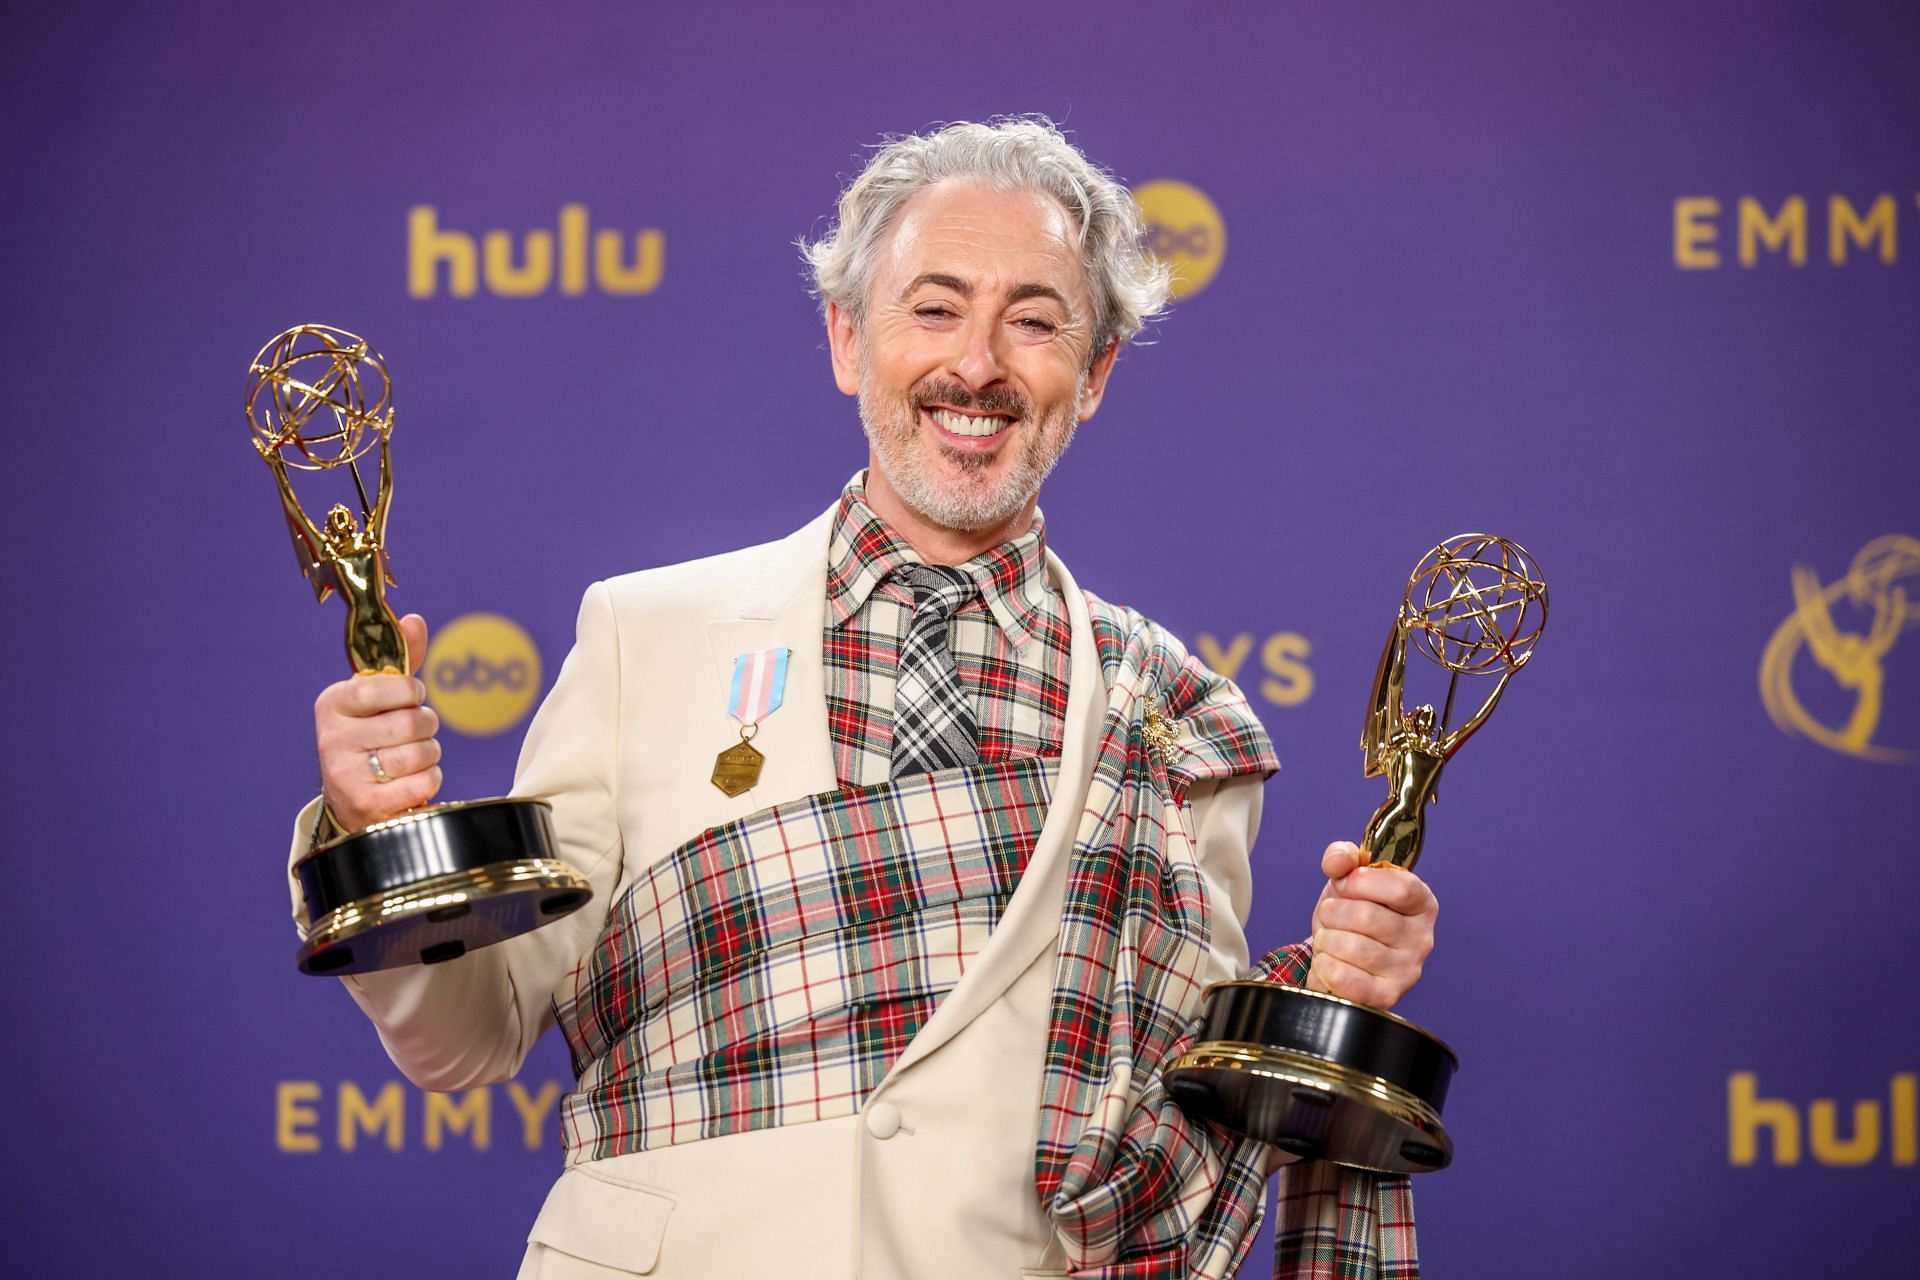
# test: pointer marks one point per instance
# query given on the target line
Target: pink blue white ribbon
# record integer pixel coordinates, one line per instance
(759, 684)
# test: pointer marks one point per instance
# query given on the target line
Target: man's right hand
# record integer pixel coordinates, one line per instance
(385, 716)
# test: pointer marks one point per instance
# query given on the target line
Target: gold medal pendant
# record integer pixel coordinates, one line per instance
(737, 768)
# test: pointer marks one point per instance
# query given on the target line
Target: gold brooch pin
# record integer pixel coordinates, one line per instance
(1161, 734)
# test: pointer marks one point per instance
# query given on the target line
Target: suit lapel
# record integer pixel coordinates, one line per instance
(1032, 919)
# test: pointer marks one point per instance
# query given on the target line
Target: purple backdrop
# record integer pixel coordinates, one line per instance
(1466, 285)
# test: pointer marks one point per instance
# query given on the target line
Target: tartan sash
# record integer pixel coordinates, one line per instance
(771, 970)
(1133, 1186)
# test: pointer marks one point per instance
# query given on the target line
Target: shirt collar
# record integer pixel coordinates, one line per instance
(863, 549)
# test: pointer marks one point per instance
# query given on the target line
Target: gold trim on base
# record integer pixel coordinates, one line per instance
(457, 889)
(1246, 1063)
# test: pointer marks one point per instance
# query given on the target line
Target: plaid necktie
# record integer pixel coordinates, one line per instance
(933, 725)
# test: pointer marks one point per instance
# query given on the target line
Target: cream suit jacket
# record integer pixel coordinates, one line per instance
(935, 1176)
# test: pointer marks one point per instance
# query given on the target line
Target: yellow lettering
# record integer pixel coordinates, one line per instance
(1828, 1147)
(1291, 682)
(1904, 1120)
(472, 1115)
(649, 260)
(1844, 226)
(1748, 1113)
(1226, 661)
(295, 1116)
(1786, 230)
(1694, 231)
(533, 1111)
(527, 279)
(387, 1112)
(428, 247)
(573, 248)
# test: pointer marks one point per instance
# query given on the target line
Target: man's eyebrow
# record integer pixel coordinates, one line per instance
(1021, 293)
(939, 280)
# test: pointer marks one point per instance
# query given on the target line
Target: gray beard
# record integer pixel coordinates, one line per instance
(890, 428)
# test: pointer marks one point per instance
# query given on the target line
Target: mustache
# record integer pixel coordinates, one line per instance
(993, 400)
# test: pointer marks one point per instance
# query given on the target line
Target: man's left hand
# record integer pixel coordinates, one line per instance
(1372, 929)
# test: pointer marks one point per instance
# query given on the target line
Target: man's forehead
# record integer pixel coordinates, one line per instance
(999, 240)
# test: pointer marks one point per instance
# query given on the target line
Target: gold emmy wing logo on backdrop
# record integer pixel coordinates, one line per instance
(482, 673)
(1184, 230)
(1851, 629)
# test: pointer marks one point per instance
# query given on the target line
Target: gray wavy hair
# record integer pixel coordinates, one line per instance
(1007, 153)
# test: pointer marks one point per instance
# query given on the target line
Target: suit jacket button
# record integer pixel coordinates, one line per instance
(883, 1120)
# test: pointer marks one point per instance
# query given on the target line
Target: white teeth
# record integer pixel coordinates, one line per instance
(961, 424)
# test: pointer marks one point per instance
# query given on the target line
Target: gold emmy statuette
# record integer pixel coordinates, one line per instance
(435, 883)
(1326, 1078)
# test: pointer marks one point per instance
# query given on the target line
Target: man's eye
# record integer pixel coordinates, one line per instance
(1036, 324)
(933, 311)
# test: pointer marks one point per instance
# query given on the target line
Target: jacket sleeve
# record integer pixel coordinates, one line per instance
(1226, 818)
(473, 1020)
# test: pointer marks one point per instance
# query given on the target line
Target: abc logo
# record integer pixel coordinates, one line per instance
(1184, 231)
(482, 674)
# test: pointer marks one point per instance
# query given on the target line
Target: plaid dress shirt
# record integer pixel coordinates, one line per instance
(1010, 644)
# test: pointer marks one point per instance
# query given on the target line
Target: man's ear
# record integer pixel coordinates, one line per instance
(843, 342)
(1097, 374)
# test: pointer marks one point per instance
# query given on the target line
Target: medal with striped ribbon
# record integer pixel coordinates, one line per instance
(759, 684)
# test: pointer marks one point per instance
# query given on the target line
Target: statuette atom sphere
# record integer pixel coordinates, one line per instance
(319, 397)
(1476, 604)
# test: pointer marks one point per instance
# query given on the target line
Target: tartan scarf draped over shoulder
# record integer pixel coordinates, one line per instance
(1134, 1187)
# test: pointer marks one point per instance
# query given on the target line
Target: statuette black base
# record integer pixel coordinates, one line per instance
(1319, 1077)
(430, 886)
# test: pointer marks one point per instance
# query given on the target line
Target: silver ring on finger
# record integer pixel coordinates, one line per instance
(375, 768)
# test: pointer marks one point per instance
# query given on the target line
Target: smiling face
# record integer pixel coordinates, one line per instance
(973, 364)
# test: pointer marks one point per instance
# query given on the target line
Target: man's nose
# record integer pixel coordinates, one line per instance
(979, 361)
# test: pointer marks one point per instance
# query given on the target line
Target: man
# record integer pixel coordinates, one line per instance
(898, 1007)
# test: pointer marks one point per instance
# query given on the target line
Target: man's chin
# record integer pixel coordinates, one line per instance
(961, 510)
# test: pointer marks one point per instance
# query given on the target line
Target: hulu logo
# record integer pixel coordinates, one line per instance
(1749, 1115)
(526, 265)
